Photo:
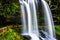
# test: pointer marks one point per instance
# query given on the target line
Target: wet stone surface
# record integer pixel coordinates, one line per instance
(27, 37)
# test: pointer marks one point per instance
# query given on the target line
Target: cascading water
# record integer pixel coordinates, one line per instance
(23, 17)
(48, 20)
(34, 17)
(30, 26)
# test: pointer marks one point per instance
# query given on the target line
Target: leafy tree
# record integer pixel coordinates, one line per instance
(9, 7)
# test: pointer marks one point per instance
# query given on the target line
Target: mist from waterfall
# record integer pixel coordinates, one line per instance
(29, 19)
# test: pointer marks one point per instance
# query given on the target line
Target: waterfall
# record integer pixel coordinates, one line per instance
(48, 20)
(23, 17)
(34, 17)
(27, 25)
(30, 26)
(29, 19)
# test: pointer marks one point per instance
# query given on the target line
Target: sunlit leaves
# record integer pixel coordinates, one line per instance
(11, 35)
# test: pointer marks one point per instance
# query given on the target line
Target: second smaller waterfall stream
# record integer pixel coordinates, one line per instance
(48, 20)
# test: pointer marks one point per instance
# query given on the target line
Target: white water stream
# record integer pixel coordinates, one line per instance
(48, 19)
(29, 17)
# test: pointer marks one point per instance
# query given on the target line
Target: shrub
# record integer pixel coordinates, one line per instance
(11, 35)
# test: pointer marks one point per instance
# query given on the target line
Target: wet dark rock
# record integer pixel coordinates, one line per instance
(42, 34)
(26, 37)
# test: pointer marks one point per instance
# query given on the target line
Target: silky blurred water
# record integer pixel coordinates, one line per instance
(29, 17)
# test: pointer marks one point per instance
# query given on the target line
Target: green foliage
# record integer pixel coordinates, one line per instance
(9, 8)
(55, 7)
(57, 28)
(10, 35)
